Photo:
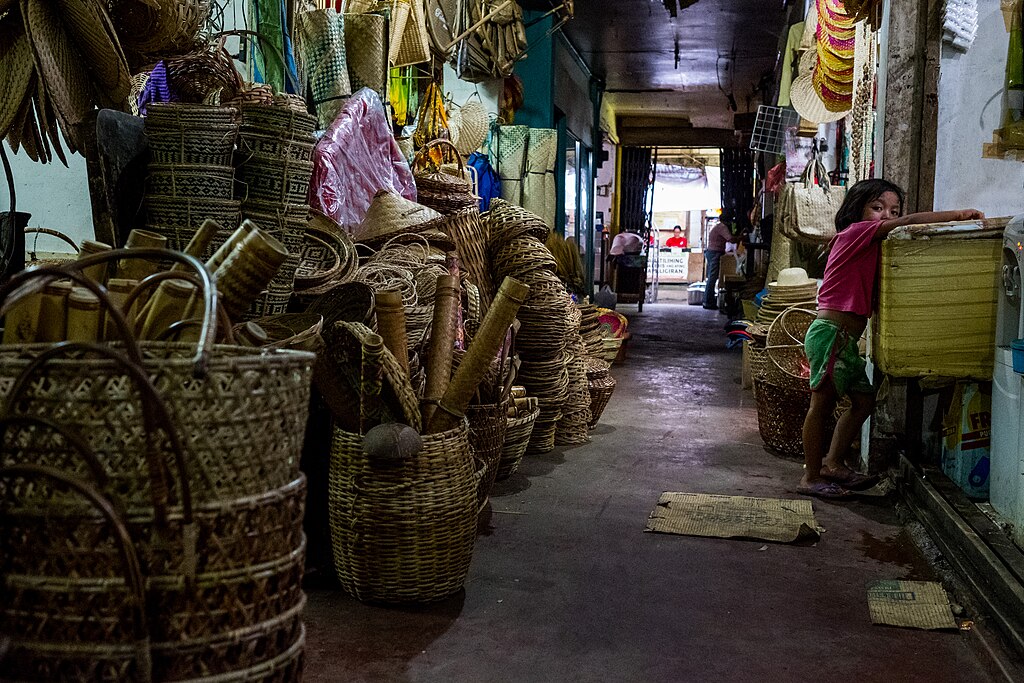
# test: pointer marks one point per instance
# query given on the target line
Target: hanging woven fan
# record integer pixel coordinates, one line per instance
(59, 60)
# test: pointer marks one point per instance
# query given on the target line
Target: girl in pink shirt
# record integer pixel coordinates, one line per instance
(872, 209)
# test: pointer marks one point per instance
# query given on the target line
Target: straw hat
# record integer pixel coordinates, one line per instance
(823, 92)
(390, 214)
(793, 277)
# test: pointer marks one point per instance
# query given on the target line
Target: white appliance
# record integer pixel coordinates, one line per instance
(1007, 464)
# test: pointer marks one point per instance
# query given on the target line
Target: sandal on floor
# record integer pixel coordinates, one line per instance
(854, 481)
(826, 490)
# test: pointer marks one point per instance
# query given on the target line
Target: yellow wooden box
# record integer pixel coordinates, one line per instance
(937, 306)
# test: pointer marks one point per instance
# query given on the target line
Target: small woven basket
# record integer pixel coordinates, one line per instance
(274, 179)
(517, 438)
(781, 411)
(487, 425)
(404, 533)
(601, 391)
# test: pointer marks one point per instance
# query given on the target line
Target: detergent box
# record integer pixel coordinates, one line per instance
(967, 438)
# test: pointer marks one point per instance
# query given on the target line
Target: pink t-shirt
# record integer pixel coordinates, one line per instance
(850, 275)
(718, 236)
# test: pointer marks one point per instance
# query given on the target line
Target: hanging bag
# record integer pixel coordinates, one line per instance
(810, 207)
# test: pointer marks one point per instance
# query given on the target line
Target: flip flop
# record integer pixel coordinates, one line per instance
(853, 481)
(825, 490)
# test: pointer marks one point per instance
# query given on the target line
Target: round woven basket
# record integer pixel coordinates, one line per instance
(517, 437)
(167, 28)
(781, 411)
(404, 533)
(507, 221)
(274, 120)
(487, 425)
(273, 146)
(786, 363)
(274, 179)
(178, 181)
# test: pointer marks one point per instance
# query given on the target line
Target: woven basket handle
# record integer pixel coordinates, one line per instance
(422, 160)
(45, 275)
(131, 566)
(154, 414)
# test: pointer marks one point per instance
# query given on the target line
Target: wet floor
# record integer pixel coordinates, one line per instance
(566, 586)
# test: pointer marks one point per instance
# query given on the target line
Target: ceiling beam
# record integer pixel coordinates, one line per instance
(675, 136)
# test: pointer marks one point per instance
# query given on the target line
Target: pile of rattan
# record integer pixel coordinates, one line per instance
(576, 416)
(151, 505)
(274, 169)
(191, 177)
(517, 250)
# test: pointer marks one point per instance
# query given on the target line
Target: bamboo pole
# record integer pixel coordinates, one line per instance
(442, 344)
(391, 325)
(481, 352)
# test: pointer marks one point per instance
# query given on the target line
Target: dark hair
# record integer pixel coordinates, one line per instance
(859, 196)
(679, 228)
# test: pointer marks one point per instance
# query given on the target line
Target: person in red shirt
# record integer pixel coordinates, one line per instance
(872, 209)
(677, 239)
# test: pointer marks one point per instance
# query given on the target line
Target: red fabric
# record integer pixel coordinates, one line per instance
(676, 242)
(850, 282)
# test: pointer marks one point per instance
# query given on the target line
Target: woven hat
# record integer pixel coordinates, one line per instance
(390, 214)
(793, 277)
(823, 92)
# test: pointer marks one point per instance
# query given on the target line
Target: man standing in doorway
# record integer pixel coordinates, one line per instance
(717, 239)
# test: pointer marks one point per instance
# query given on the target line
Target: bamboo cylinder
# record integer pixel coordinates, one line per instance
(83, 316)
(371, 383)
(248, 269)
(391, 325)
(118, 289)
(201, 241)
(139, 269)
(488, 340)
(53, 312)
(222, 253)
(97, 273)
(168, 306)
(442, 344)
(21, 324)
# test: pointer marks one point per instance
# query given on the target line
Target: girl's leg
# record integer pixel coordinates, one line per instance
(847, 429)
(823, 403)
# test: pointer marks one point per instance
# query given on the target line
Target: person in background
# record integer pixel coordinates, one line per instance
(677, 239)
(870, 211)
(626, 243)
(718, 237)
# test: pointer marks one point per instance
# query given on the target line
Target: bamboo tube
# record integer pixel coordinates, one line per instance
(118, 289)
(221, 255)
(139, 269)
(21, 324)
(97, 273)
(200, 241)
(488, 340)
(169, 305)
(53, 312)
(391, 325)
(248, 269)
(442, 344)
(371, 383)
(83, 316)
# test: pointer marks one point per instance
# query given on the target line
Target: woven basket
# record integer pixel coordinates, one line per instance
(508, 221)
(542, 439)
(178, 219)
(404, 533)
(517, 437)
(487, 425)
(177, 181)
(443, 192)
(279, 121)
(601, 391)
(520, 256)
(198, 74)
(467, 230)
(366, 52)
(211, 147)
(272, 146)
(781, 412)
(273, 179)
(786, 362)
(170, 27)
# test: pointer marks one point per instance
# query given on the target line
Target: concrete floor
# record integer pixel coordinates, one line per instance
(565, 586)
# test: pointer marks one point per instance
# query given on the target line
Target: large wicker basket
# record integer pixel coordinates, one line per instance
(405, 533)
(487, 426)
(601, 390)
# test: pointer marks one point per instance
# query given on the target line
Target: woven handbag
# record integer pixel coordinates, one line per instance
(414, 47)
(811, 206)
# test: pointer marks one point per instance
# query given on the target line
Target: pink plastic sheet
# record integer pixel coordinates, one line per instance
(356, 158)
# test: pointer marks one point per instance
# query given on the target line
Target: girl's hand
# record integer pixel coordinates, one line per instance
(968, 215)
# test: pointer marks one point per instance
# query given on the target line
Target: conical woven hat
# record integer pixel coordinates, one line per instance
(390, 214)
(805, 97)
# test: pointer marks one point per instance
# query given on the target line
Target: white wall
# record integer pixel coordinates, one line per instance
(57, 197)
(972, 103)
(460, 91)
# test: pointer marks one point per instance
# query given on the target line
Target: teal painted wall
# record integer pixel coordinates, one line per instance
(537, 73)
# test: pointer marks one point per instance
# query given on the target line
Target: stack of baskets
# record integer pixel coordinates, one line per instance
(793, 287)
(157, 529)
(328, 258)
(191, 177)
(522, 413)
(576, 417)
(446, 193)
(274, 169)
(590, 328)
(517, 250)
(602, 386)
